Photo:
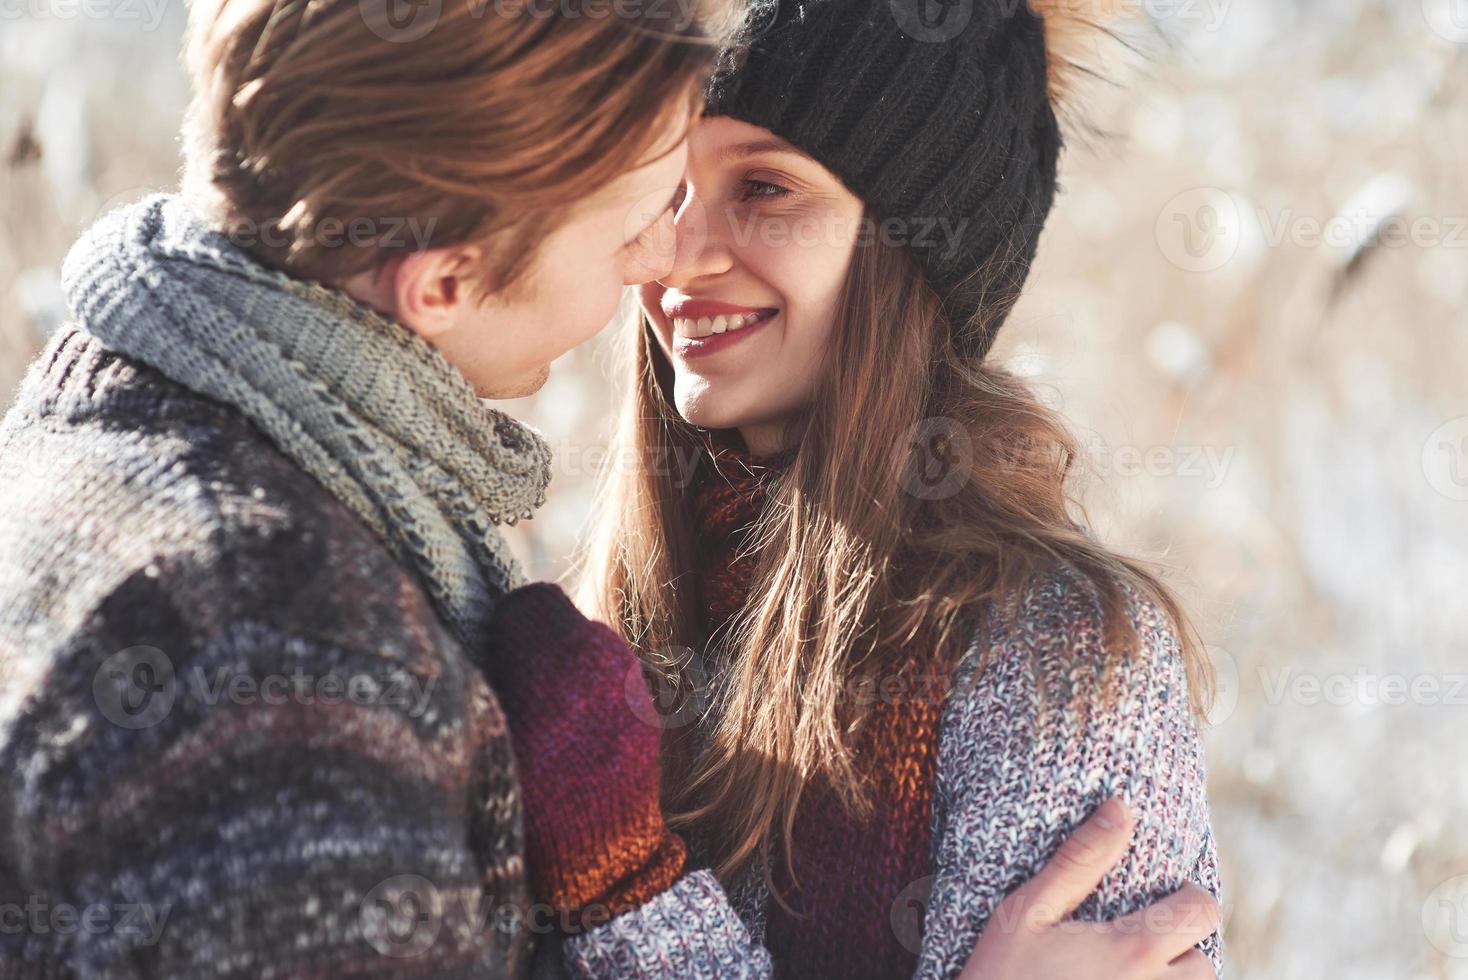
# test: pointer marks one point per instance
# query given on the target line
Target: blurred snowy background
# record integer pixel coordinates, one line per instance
(1253, 304)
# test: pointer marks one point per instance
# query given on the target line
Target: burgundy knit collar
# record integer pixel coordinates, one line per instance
(736, 477)
(727, 498)
(842, 925)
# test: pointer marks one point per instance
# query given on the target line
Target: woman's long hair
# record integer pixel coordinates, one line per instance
(925, 483)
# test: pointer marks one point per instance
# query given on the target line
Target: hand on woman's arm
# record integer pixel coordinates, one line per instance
(1032, 937)
(1035, 736)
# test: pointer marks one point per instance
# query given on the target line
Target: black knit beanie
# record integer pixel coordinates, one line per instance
(934, 112)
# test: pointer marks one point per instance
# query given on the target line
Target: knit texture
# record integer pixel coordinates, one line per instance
(1033, 735)
(184, 611)
(580, 717)
(246, 529)
(934, 113)
(726, 497)
(839, 920)
(361, 403)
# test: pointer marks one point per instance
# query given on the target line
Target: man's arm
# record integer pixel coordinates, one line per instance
(231, 799)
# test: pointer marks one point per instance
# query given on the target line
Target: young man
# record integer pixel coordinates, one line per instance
(248, 555)
(247, 530)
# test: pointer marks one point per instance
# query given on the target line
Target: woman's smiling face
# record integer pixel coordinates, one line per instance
(765, 236)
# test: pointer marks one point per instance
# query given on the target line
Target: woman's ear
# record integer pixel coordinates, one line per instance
(433, 289)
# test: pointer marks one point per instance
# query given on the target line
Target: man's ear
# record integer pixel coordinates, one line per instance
(433, 288)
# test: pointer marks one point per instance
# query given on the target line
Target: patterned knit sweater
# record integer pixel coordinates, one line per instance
(239, 736)
(1026, 746)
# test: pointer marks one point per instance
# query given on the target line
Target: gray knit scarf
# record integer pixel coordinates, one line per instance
(368, 408)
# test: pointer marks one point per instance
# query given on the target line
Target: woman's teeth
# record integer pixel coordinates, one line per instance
(707, 326)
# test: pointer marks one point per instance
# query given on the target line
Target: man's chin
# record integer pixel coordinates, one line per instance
(519, 388)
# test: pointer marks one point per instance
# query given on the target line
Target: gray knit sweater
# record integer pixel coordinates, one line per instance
(1028, 747)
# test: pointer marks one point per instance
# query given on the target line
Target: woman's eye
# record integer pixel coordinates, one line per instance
(753, 190)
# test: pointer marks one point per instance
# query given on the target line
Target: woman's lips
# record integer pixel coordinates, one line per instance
(701, 336)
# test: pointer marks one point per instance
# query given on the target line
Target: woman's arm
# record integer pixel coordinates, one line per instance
(1035, 736)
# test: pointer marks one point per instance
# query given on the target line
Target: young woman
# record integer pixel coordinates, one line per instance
(918, 671)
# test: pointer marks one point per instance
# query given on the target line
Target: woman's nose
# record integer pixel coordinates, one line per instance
(700, 249)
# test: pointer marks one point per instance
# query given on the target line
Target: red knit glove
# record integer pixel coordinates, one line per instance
(596, 843)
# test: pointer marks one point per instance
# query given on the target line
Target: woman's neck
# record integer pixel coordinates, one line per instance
(766, 438)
